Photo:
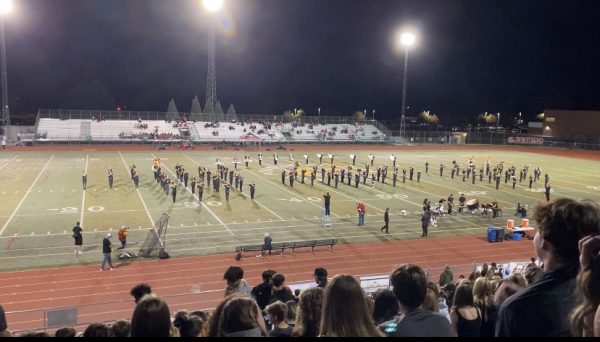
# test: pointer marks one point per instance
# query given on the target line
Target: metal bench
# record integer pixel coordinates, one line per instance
(257, 248)
(312, 244)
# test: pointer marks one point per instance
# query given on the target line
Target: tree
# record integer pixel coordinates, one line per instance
(172, 112)
(429, 118)
(231, 110)
(196, 108)
(487, 118)
(294, 115)
(359, 116)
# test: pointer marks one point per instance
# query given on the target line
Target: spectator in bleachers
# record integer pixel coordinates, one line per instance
(292, 311)
(585, 317)
(151, 318)
(34, 334)
(446, 276)
(215, 316)
(189, 325)
(410, 288)
(4, 332)
(120, 328)
(139, 291)
(321, 277)
(561, 224)
(235, 282)
(262, 292)
(508, 287)
(385, 306)
(465, 317)
(483, 298)
(308, 319)
(447, 292)
(280, 291)
(345, 310)
(532, 273)
(431, 302)
(97, 330)
(241, 317)
(277, 316)
(64, 332)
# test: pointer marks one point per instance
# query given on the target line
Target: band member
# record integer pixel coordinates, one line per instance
(84, 180)
(283, 177)
(394, 177)
(246, 160)
(386, 219)
(371, 158)
(332, 157)
(306, 158)
(193, 185)
(418, 176)
(337, 178)
(110, 178)
(320, 155)
(136, 179)
(275, 158)
(426, 167)
(174, 190)
(441, 170)
(252, 189)
(260, 157)
(226, 186)
(291, 179)
(327, 200)
(547, 187)
(313, 175)
(303, 175)
(241, 183)
(530, 181)
(291, 157)
(200, 191)
(353, 157)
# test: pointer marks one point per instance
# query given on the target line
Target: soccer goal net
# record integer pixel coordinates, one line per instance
(154, 241)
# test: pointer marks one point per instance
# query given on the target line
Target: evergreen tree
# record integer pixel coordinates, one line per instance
(196, 109)
(231, 110)
(172, 112)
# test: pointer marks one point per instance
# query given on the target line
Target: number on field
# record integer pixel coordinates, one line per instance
(475, 193)
(68, 210)
(536, 190)
(96, 209)
(295, 200)
(314, 199)
(384, 196)
(268, 170)
(214, 203)
(191, 204)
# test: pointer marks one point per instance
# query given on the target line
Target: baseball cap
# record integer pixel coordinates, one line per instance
(109, 235)
(450, 287)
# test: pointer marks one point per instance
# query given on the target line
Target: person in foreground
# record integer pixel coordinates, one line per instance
(410, 288)
(543, 308)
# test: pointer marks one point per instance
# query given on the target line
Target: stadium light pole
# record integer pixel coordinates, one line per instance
(406, 39)
(6, 7)
(319, 116)
(212, 6)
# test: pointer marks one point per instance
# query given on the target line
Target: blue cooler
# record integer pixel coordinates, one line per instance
(517, 236)
(491, 234)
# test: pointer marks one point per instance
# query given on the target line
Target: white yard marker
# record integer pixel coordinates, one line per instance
(140, 195)
(83, 196)
(25, 196)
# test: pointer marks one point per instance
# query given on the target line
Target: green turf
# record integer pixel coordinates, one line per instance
(42, 198)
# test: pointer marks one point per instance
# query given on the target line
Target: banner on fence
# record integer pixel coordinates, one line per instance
(526, 140)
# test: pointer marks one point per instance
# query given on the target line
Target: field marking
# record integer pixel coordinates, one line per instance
(8, 162)
(140, 195)
(201, 202)
(25, 196)
(83, 196)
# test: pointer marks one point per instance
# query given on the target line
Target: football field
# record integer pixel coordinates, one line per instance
(42, 199)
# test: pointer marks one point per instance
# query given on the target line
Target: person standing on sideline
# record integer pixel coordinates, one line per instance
(122, 235)
(386, 219)
(361, 213)
(110, 178)
(266, 245)
(425, 222)
(78, 236)
(84, 180)
(252, 189)
(106, 250)
(426, 167)
(327, 199)
(3, 143)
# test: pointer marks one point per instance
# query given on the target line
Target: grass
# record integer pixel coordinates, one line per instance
(42, 199)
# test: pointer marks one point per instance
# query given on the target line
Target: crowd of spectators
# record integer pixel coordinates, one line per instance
(555, 296)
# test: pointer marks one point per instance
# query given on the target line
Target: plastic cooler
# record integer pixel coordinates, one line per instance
(510, 224)
(525, 223)
(517, 236)
(491, 234)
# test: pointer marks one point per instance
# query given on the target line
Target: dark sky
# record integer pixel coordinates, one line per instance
(472, 56)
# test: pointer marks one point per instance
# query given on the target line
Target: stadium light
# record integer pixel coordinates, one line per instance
(405, 39)
(212, 6)
(6, 6)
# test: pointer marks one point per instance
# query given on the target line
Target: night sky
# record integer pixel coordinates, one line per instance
(474, 56)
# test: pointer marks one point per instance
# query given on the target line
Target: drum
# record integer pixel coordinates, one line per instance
(510, 224)
(472, 204)
(525, 223)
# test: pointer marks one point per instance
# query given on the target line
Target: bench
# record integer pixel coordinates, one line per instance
(312, 244)
(241, 250)
(257, 248)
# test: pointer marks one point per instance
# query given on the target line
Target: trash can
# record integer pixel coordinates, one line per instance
(491, 234)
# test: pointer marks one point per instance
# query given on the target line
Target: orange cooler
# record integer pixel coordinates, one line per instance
(510, 224)
(525, 223)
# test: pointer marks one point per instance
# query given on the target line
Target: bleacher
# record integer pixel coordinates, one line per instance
(59, 130)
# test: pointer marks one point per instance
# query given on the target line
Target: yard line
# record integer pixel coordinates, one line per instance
(257, 202)
(197, 199)
(139, 194)
(8, 162)
(25, 196)
(83, 196)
